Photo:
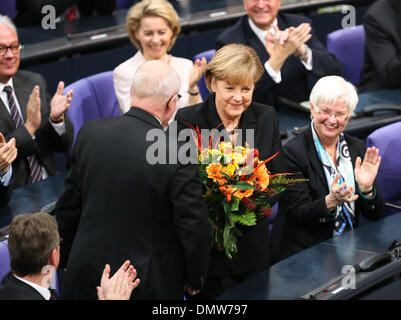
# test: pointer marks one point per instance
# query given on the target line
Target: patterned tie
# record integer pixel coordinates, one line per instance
(36, 170)
(269, 44)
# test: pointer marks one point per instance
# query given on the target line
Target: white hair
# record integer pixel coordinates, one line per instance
(331, 89)
(8, 22)
(148, 85)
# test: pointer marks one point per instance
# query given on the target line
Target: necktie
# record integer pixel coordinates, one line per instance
(269, 44)
(35, 169)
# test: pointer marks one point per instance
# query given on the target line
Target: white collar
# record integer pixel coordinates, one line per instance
(42, 290)
(261, 34)
(9, 83)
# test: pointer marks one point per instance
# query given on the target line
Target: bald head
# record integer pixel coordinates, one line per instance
(155, 79)
(154, 85)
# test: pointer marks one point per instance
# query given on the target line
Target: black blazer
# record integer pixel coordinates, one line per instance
(117, 205)
(12, 288)
(46, 139)
(303, 219)
(253, 247)
(382, 64)
(296, 80)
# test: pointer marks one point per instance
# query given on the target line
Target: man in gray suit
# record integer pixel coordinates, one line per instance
(28, 114)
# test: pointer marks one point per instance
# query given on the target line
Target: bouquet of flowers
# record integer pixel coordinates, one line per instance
(237, 185)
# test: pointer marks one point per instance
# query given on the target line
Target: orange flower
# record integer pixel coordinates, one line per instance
(228, 191)
(261, 177)
(243, 193)
(213, 171)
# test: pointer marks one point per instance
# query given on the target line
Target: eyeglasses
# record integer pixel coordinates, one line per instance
(15, 48)
(327, 113)
(178, 97)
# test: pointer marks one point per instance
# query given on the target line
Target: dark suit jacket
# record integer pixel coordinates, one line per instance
(253, 248)
(12, 288)
(46, 139)
(296, 80)
(118, 206)
(303, 219)
(382, 64)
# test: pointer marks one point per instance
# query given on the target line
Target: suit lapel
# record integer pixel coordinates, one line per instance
(5, 118)
(253, 41)
(22, 92)
(314, 158)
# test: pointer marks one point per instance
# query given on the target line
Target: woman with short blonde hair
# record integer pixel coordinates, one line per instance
(149, 8)
(234, 63)
(231, 76)
(153, 27)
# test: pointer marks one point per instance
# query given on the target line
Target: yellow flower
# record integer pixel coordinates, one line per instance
(229, 169)
(216, 155)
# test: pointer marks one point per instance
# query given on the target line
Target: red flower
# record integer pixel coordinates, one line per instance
(267, 211)
(248, 203)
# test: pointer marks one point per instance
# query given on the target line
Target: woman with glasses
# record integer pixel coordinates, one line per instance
(153, 27)
(340, 170)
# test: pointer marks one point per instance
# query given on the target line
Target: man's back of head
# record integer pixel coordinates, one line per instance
(32, 239)
(154, 86)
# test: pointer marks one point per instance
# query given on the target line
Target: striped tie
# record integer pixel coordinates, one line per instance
(36, 170)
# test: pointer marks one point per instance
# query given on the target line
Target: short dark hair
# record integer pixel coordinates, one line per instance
(32, 238)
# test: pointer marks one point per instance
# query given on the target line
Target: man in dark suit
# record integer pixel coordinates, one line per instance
(296, 57)
(117, 205)
(29, 115)
(382, 65)
(8, 153)
(34, 251)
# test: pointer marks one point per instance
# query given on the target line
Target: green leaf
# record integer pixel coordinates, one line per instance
(246, 219)
(230, 241)
(235, 203)
(242, 185)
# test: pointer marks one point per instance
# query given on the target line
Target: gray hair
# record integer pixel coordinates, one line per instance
(148, 85)
(331, 89)
(8, 22)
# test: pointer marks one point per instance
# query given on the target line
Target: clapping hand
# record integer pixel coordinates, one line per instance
(33, 115)
(339, 193)
(8, 153)
(197, 71)
(291, 40)
(366, 171)
(60, 103)
(120, 285)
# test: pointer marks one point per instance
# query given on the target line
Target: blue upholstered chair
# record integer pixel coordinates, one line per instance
(201, 84)
(93, 98)
(8, 8)
(5, 265)
(388, 140)
(121, 4)
(349, 46)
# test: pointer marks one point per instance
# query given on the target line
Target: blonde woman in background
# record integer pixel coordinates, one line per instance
(153, 27)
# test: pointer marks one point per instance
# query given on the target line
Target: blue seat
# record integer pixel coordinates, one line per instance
(201, 84)
(388, 140)
(8, 8)
(348, 45)
(122, 4)
(5, 265)
(93, 98)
